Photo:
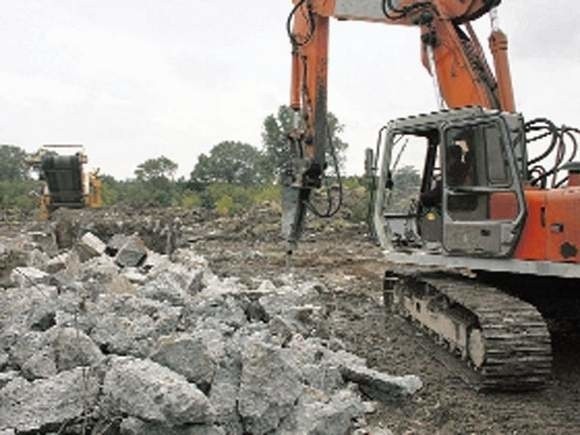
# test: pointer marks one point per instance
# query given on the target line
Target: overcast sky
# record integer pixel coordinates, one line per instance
(135, 79)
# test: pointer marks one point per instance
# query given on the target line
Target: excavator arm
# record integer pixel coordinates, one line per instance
(450, 50)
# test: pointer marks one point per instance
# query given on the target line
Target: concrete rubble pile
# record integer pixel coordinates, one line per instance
(113, 338)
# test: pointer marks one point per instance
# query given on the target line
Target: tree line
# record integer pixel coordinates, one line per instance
(231, 177)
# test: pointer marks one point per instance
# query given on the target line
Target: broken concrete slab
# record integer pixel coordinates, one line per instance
(38, 259)
(57, 263)
(188, 356)
(90, 246)
(73, 348)
(155, 263)
(151, 392)
(130, 325)
(134, 426)
(269, 387)
(44, 354)
(132, 253)
(224, 396)
(29, 276)
(115, 243)
(7, 377)
(41, 365)
(135, 276)
(317, 413)
(45, 404)
(3, 360)
(379, 386)
(44, 240)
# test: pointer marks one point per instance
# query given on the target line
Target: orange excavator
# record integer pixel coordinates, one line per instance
(490, 226)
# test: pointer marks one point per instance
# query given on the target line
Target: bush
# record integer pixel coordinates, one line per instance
(224, 205)
(191, 200)
(19, 194)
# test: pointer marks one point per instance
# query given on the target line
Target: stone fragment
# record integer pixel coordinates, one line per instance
(3, 360)
(29, 276)
(44, 354)
(317, 413)
(71, 269)
(65, 231)
(41, 365)
(26, 309)
(155, 263)
(132, 253)
(224, 395)
(174, 284)
(38, 259)
(151, 392)
(134, 426)
(379, 386)
(120, 284)
(44, 405)
(57, 263)
(135, 276)
(129, 325)
(90, 246)
(7, 377)
(188, 356)
(73, 348)
(115, 243)
(269, 387)
(46, 241)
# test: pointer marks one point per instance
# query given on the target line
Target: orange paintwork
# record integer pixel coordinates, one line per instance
(552, 229)
(459, 82)
(563, 224)
(574, 179)
(498, 44)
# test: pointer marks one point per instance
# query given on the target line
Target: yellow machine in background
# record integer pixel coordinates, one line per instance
(66, 182)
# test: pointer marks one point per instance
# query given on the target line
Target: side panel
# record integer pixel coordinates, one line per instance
(563, 225)
(532, 244)
(552, 228)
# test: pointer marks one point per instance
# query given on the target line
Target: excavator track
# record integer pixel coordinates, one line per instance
(503, 340)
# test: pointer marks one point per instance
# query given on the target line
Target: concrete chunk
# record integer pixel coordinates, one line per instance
(90, 246)
(269, 387)
(379, 386)
(115, 243)
(28, 276)
(134, 426)
(44, 405)
(132, 253)
(187, 356)
(151, 392)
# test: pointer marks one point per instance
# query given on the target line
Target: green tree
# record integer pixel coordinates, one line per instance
(229, 162)
(407, 183)
(154, 186)
(154, 169)
(275, 140)
(13, 165)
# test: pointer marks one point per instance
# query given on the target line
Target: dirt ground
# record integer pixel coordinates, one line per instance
(351, 268)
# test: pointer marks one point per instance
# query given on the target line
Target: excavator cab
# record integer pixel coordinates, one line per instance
(474, 160)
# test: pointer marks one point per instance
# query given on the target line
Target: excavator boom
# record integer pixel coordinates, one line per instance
(451, 52)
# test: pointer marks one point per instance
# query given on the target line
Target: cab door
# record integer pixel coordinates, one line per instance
(478, 169)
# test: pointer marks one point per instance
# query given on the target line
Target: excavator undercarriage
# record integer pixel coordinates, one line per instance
(503, 340)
